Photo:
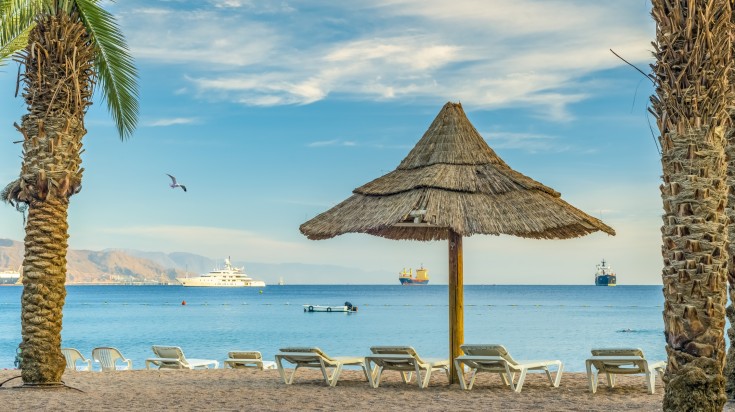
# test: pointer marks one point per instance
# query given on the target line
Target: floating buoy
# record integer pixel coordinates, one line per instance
(261, 292)
(183, 302)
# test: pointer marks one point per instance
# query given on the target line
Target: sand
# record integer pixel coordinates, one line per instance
(241, 389)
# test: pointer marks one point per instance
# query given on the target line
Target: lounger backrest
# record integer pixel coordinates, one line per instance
(245, 355)
(170, 352)
(621, 360)
(396, 350)
(106, 357)
(617, 352)
(306, 349)
(72, 355)
(488, 350)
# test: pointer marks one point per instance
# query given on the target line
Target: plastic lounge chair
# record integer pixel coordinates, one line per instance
(247, 359)
(622, 361)
(405, 360)
(107, 358)
(496, 359)
(72, 356)
(313, 357)
(172, 357)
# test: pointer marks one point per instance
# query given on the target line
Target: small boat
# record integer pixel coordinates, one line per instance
(10, 277)
(407, 278)
(228, 277)
(347, 307)
(605, 275)
(280, 281)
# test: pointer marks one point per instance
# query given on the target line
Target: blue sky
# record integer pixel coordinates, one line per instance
(273, 112)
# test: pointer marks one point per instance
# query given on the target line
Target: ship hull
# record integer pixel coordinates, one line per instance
(9, 279)
(605, 280)
(413, 282)
(194, 282)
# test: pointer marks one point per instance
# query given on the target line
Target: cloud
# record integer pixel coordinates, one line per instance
(171, 121)
(488, 54)
(199, 39)
(333, 142)
(532, 142)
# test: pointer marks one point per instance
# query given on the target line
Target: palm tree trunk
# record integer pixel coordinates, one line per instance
(729, 371)
(693, 62)
(57, 87)
(44, 275)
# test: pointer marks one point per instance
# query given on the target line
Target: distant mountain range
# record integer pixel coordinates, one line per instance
(111, 266)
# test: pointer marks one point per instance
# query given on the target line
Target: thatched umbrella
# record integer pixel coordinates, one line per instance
(452, 184)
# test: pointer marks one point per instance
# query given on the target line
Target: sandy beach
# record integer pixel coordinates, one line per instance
(235, 390)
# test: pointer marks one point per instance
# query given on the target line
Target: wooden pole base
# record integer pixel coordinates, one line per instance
(456, 301)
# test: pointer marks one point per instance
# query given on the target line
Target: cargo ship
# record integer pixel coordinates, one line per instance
(605, 275)
(407, 278)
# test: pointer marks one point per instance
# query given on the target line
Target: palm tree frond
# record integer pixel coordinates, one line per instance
(17, 18)
(116, 70)
(14, 44)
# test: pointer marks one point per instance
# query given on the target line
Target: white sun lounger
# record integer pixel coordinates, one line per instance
(107, 358)
(405, 360)
(72, 356)
(247, 359)
(313, 357)
(172, 357)
(496, 359)
(622, 361)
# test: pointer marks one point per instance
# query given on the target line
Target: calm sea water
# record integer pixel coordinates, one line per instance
(533, 322)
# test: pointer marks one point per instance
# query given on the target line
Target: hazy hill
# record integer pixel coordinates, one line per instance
(126, 266)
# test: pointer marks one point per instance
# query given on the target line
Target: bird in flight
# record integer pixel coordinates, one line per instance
(173, 184)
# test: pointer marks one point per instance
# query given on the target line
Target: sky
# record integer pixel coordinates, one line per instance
(273, 112)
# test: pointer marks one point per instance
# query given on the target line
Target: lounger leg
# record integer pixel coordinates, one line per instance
(559, 371)
(651, 382)
(365, 371)
(282, 372)
(548, 375)
(407, 376)
(472, 380)
(325, 372)
(422, 384)
(554, 382)
(591, 377)
(521, 379)
(375, 376)
(460, 374)
(504, 377)
(335, 375)
(510, 378)
(610, 379)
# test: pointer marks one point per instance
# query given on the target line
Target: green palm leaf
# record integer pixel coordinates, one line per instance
(115, 67)
(16, 21)
(118, 77)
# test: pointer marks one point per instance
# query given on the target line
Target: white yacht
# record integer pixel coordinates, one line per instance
(227, 277)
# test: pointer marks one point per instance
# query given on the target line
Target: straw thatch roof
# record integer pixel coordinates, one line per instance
(453, 180)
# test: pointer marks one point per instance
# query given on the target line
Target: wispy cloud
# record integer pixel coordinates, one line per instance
(529, 142)
(171, 121)
(507, 53)
(333, 142)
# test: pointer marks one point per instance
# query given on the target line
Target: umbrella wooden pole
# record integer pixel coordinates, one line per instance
(456, 301)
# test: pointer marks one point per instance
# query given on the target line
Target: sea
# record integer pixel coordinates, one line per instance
(532, 322)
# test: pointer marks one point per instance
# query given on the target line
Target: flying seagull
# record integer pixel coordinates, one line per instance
(174, 185)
